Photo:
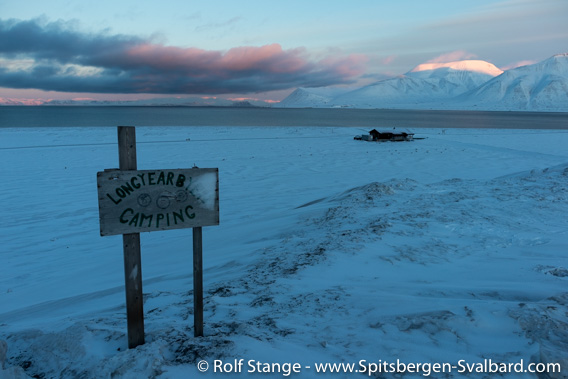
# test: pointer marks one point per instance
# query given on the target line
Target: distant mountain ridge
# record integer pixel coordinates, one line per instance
(316, 97)
(163, 102)
(468, 84)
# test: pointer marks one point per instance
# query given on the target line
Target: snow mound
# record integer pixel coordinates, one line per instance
(3, 350)
(545, 323)
(13, 372)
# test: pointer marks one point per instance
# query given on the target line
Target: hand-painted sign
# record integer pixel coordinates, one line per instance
(150, 200)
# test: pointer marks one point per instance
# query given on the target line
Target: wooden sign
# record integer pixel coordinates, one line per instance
(150, 200)
(133, 201)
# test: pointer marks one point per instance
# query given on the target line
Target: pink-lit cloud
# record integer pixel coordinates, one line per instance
(69, 61)
(242, 99)
(457, 55)
(388, 60)
(349, 66)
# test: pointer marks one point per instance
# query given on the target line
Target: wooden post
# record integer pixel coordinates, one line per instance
(198, 282)
(131, 245)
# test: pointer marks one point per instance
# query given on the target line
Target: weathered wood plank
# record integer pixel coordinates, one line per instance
(131, 246)
(151, 200)
(198, 282)
(127, 148)
(133, 288)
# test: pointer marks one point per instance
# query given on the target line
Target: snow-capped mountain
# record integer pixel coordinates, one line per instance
(538, 87)
(423, 84)
(306, 97)
(473, 66)
(469, 84)
(455, 76)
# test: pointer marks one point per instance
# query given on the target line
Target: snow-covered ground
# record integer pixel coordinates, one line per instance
(450, 248)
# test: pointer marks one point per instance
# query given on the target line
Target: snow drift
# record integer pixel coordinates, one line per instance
(448, 248)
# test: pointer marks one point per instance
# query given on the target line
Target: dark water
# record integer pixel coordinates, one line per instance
(207, 116)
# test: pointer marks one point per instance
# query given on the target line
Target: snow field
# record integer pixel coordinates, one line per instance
(329, 250)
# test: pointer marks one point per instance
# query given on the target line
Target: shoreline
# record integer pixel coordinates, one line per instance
(103, 116)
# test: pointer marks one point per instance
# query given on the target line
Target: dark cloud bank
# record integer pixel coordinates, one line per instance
(56, 57)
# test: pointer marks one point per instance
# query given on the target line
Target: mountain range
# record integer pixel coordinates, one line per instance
(468, 84)
(459, 85)
(153, 102)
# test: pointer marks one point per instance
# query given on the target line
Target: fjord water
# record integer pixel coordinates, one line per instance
(48, 116)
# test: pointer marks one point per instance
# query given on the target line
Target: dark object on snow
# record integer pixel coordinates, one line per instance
(375, 135)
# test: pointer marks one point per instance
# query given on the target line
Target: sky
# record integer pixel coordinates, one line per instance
(125, 50)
